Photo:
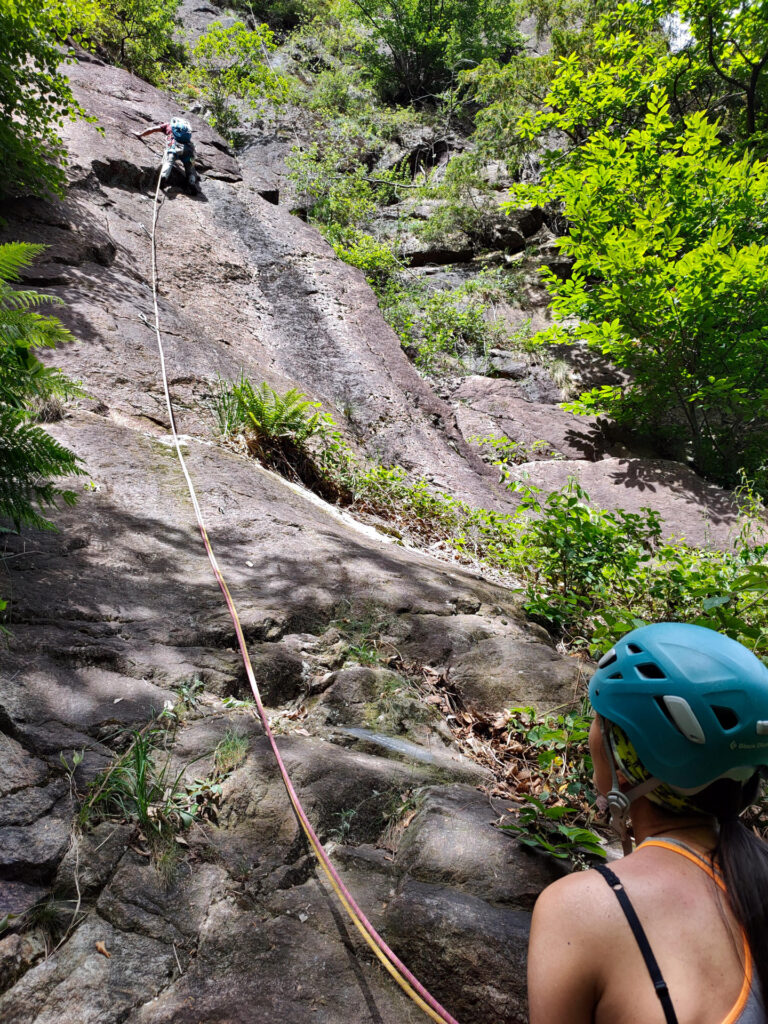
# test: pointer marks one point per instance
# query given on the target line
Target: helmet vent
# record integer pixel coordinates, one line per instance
(607, 659)
(616, 675)
(727, 717)
(634, 649)
(649, 670)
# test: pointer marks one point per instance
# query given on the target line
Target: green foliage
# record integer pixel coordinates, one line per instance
(503, 452)
(556, 782)
(376, 259)
(360, 630)
(732, 41)
(544, 827)
(231, 66)
(578, 553)
(593, 574)
(140, 786)
(440, 326)
(468, 203)
(332, 91)
(282, 14)
(30, 458)
(137, 788)
(588, 574)
(272, 418)
(137, 34)
(333, 177)
(225, 408)
(417, 47)
(670, 281)
(35, 97)
(503, 92)
(607, 89)
(342, 832)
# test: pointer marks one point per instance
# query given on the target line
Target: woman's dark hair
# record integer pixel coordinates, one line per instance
(743, 860)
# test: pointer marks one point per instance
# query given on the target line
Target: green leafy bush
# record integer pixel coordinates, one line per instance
(333, 177)
(440, 325)
(376, 259)
(593, 575)
(35, 96)
(545, 827)
(332, 91)
(418, 47)
(579, 553)
(231, 65)
(136, 34)
(503, 452)
(552, 768)
(670, 281)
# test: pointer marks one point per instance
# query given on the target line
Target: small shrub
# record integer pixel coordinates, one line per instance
(503, 452)
(453, 324)
(332, 91)
(556, 783)
(545, 827)
(376, 259)
(342, 832)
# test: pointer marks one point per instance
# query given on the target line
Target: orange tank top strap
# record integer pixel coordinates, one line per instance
(706, 865)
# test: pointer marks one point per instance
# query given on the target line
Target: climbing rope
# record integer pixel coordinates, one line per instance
(391, 962)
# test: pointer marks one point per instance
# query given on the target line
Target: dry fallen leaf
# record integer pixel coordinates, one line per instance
(406, 821)
(101, 948)
(301, 732)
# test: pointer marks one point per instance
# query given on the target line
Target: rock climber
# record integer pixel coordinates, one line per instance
(676, 931)
(178, 146)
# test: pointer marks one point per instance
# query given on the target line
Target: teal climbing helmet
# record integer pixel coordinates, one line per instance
(693, 703)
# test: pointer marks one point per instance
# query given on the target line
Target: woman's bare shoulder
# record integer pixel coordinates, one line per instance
(568, 929)
(575, 892)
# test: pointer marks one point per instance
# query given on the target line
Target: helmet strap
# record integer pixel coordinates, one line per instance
(617, 799)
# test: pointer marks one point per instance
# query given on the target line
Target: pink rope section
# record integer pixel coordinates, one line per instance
(390, 960)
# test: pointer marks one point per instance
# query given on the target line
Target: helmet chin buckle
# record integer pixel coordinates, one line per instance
(618, 802)
(618, 808)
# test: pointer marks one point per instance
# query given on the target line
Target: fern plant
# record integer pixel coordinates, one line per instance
(30, 459)
(273, 417)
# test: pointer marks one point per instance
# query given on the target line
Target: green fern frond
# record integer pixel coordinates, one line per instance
(30, 459)
(28, 456)
(15, 256)
(274, 416)
(25, 299)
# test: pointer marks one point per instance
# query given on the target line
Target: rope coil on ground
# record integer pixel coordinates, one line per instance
(390, 961)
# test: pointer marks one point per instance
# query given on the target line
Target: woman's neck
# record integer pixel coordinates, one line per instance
(650, 822)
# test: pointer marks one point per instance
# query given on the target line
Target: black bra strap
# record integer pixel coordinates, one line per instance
(642, 940)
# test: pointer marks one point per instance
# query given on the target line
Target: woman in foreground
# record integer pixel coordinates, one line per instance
(677, 932)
